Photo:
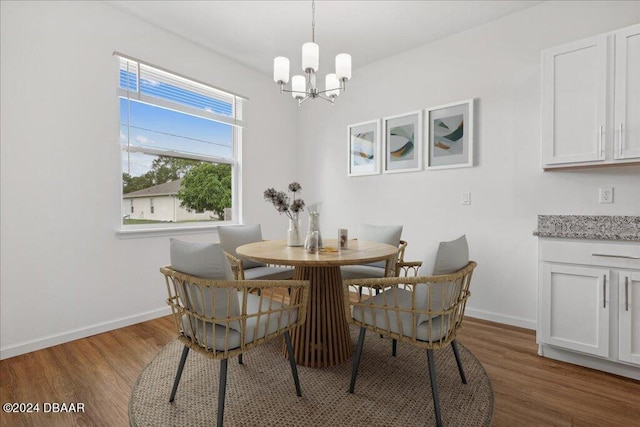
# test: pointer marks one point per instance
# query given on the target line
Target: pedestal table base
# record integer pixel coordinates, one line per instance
(323, 340)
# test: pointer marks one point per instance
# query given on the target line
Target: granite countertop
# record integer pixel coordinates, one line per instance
(596, 227)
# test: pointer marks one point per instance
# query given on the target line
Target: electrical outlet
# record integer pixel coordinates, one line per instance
(466, 198)
(606, 195)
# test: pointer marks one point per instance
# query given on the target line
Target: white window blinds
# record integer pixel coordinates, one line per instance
(147, 83)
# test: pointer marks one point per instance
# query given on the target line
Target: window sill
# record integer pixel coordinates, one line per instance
(145, 232)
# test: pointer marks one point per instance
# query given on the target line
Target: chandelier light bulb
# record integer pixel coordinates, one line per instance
(343, 66)
(281, 70)
(310, 57)
(298, 86)
(332, 85)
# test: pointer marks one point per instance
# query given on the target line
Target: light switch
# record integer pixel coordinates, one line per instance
(466, 198)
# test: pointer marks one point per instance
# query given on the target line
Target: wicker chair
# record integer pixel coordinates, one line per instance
(233, 236)
(424, 311)
(407, 268)
(383, 234)
(391, 268)
(221, 318)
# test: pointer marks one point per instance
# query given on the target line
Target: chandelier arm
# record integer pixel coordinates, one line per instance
(326, 90)
(294, 91)
(327, 99)
(301, 101)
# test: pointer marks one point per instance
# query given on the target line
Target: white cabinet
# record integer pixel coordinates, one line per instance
(627, 93)
(629, 291)
(589, 303)
(574, 81)
(591, 101)
(576, 315)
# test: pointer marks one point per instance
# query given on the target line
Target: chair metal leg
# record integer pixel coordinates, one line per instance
(292, 361)
(434, 385)
(222, 388)
(454, 345)
(183, 358)
(394, 346)
(382, 336)
(240, 359)
(356, 360)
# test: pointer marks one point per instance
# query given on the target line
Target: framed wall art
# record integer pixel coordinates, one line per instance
(364, 148)
(450, 135)
(402, 143)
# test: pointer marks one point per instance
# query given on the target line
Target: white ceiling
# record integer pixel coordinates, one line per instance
(254, 32)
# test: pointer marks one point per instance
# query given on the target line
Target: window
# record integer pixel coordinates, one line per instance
(180, 142)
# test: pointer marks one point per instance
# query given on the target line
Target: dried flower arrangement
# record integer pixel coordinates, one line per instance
(280, 200)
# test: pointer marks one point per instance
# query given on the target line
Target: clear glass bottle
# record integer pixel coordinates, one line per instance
(311, 242)
(314, 225)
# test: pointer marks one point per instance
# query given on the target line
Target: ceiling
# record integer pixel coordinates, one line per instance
(254, 32)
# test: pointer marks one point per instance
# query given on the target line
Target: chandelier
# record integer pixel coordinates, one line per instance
(303, 88)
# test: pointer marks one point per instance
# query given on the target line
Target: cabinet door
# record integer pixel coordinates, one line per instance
(629, 315)
(627, 93)
(574, 308)
(574, 83)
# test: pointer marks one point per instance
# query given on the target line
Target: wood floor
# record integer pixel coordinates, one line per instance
(100, 371)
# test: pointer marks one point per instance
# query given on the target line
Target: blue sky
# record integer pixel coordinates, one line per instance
(160, 128)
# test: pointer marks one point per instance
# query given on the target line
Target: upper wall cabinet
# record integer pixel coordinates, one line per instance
(626, 117)
(591, 101)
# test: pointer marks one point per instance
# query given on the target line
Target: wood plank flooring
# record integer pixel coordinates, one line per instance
(100, 371)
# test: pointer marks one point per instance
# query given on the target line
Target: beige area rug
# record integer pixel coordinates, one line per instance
(390, 391)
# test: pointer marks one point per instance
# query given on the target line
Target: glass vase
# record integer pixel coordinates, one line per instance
(294, 236)
(314, 225)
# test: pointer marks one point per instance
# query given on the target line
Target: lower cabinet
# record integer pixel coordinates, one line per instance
(629, 315)
(589, 303)
(576, 315)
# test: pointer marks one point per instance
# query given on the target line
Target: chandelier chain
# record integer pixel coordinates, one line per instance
(313, 21)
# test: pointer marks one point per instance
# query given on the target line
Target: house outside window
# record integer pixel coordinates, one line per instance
(180, 142)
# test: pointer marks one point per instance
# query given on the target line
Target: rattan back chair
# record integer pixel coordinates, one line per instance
(223, 318)
(389, 234)
(237, 235)
(407, 269)
(423, 311)
(401, 247)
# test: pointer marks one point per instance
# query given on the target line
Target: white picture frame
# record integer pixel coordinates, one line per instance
(449, 130)
(363, 148)
(402, 146)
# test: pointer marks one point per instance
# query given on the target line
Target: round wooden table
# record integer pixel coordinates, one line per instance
(323, 340)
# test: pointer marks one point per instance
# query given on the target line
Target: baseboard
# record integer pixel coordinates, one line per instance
(50, 341)
(499, 318)
(29, 346)
(589, 361)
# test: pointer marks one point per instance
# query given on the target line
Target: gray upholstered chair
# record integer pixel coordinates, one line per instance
(389, 234)
(245, 269)
(219, 317)
(424, 311)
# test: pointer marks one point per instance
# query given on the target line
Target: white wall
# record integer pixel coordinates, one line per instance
(498, 64)
(66, 274)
